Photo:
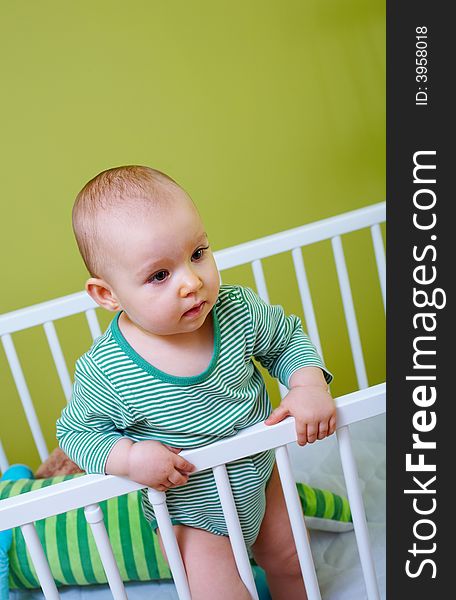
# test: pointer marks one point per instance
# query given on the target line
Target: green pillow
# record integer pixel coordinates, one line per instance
(70, 548)
(73, 557)
(324, 510)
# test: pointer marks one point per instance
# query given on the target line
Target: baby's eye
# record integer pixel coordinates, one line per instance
(158, 276)
(198, 254)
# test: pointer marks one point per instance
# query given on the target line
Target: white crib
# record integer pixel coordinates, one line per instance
(89, 490)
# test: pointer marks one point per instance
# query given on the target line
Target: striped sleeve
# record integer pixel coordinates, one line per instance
(93, 421)
(280, 344)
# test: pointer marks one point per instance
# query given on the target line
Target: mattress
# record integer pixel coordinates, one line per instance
(335, 554)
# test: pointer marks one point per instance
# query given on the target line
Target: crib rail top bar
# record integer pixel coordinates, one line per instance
(65, 496)
(301, 236)
(91, 489)
(351, 408)
(71, 304)
(361, 405)
(51, 310)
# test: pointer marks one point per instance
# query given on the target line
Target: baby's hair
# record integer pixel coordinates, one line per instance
(118, 188)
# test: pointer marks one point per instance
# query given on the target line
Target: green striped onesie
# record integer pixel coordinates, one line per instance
(117, 393)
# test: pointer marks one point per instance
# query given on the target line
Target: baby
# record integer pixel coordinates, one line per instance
(174, 370)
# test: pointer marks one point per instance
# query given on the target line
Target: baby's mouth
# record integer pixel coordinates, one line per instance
(196, 310)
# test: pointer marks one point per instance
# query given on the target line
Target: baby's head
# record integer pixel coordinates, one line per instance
(112, 195)
(144, 245)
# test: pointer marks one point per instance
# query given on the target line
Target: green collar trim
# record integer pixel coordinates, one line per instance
(149, 368)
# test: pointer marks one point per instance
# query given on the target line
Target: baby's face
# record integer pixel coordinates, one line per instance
(163, 272)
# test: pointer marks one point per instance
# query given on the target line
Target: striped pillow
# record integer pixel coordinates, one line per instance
(70, 548)
(73, 557)
(325, 510)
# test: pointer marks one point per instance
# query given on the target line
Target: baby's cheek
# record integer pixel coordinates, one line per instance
(216, 285)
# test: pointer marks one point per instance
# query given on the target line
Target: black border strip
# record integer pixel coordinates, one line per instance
(419, 127)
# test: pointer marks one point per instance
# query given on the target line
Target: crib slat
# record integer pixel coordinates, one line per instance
(25, 397)
(158, 501)
(58, 357)
(358, 513)
(297, 523)
(306, 299)
(40, 562)
(380, 258)
(94, 516)
(234, 529)
(349, 310)
(92, 320)
(260, 280)
(262, 289)
(4, 464)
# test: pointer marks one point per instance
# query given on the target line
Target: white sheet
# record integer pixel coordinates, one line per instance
(335, 554)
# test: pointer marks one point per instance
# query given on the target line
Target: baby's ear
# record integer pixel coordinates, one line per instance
(100, 291)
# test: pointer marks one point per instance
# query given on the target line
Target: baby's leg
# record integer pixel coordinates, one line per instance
(274, 549)
(209, 563)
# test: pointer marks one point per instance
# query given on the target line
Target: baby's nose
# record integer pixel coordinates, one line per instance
(190, 283)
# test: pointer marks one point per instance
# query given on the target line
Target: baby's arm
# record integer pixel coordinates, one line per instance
(149, 462)
(282, 347)
(91, 431)
(278, 341)
(310, 403)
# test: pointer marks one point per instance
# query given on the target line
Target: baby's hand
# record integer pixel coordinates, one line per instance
(149, 462)
(313, 409)
(157, 466)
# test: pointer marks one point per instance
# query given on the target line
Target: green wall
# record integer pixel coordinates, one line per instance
(270, 114)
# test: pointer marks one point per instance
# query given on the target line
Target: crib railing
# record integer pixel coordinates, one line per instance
(87, 491)
(252, 253)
